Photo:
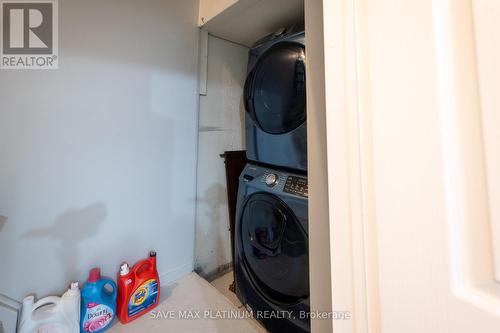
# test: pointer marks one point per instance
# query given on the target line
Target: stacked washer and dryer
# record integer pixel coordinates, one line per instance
(271, 234)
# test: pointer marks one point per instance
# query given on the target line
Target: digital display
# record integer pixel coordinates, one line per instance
(297, 186)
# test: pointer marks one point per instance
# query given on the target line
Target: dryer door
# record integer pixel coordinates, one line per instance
(275, 249)
(275, 90)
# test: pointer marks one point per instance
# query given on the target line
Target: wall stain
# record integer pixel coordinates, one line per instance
(3, 221)
(212, 239)
(213, 129)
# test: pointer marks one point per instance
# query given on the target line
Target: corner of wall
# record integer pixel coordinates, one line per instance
(174, 274)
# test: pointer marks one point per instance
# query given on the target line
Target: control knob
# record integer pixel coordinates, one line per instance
(271, 179)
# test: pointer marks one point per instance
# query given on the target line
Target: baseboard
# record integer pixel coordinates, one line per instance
(176, 273)
(10, 311)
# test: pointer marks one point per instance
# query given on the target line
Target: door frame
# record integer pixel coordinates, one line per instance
(343, 257)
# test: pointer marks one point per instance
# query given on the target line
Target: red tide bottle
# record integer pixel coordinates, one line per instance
(138, 289)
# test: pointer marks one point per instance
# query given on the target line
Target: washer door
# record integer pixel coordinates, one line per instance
(275, 249)
(275, 90)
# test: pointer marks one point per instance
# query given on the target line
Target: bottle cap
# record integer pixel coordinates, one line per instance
(124, 269)
(95, 274)
(152, 253)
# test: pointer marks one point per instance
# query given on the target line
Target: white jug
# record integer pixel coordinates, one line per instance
(52, 314)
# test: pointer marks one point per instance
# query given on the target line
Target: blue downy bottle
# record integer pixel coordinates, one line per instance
(98, 308)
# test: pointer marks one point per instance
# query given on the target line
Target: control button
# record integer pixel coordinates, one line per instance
(271, 179)
(248, 178)
(296, 186)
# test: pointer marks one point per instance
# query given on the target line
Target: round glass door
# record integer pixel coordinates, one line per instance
(275, 91)
(275, 249)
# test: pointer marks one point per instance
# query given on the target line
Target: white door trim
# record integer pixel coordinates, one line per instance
(340, 172)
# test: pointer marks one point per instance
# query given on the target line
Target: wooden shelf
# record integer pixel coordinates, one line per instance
(246, 21)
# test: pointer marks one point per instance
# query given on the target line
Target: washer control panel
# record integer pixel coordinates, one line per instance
(296, 185)
(276, 181)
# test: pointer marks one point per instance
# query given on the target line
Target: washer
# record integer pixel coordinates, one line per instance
(271, 248)
(275, 100)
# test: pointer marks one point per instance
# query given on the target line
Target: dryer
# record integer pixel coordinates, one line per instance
(275, 100)
(271, 248)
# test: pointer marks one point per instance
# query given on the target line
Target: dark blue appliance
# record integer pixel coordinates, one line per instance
(271, 248)
(275, 100)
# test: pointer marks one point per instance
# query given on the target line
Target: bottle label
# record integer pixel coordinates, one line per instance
(144, 297)
(97, 317)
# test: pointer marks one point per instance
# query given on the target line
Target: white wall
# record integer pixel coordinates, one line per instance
(220, 129)
(98, 158)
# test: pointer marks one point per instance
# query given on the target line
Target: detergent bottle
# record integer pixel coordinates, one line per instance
(52, 314)
(98, 307)
(138, 289)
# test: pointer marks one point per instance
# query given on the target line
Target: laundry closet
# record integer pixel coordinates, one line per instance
(330, 165)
